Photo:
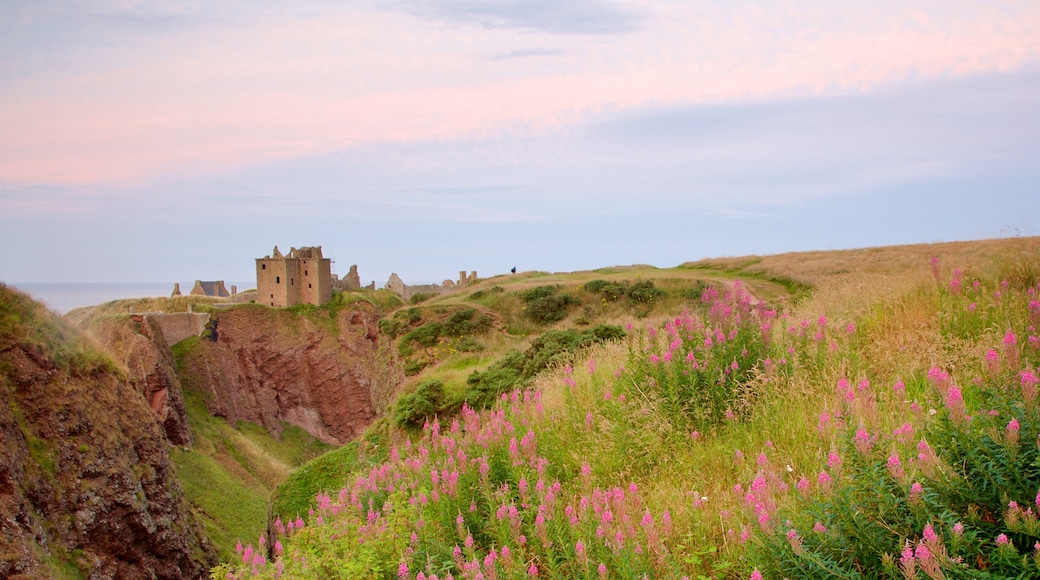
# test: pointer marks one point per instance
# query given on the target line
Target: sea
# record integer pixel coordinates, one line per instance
(63, 297)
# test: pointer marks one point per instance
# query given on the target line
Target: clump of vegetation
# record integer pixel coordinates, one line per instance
(697, 369)
(425, 402)
(642, 292)
(545, 305)
(460, 323)
(516, 369)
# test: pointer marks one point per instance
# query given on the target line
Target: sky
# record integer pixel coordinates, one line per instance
(174, 141)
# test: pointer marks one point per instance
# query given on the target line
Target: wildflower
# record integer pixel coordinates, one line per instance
(916, 489)
(819, 528)
(833, 460)
(895, 467)
(862, 441)
(402, 570)
(929, 534)
(1002, 540)
(579, 551)
(1012, 432)
(899, 388)
(1029, 387)
(803, 486)
(955, 403)
(795, 541)
(907, 562)
(532, 571)
(756, 575)
(958, 529)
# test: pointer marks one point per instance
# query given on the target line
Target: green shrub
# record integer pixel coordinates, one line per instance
(645, 292)
(464, 322)
(538, 293)
(426, 335)
(411, 315)
(414, 408)
(413, 367)
(468, 344)
(549, 309)
(390, 327)
(595, 286)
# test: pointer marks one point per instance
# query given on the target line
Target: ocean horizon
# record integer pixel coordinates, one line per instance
(62, 297)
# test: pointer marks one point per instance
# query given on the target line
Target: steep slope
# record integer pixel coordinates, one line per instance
(86, 483)
(320, 369)
(137, 342)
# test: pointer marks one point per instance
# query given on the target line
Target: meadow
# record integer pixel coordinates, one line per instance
(875, 417)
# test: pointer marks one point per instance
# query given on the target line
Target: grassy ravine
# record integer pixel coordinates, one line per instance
(230, 471)
(884, 424)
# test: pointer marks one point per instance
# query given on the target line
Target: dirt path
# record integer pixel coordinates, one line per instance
(745, 288)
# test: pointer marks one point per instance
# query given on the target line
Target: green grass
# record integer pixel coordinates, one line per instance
(327, 473)
(230, 471)
(230, 508)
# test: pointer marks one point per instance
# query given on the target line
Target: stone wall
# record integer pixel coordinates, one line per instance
(180, 325)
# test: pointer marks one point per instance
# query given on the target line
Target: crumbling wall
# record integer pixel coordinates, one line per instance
(180, 325)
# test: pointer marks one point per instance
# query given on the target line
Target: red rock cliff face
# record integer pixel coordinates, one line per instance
(137, 342)
(85, 478)
(267, 365)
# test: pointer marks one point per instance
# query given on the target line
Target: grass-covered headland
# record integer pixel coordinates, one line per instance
(884, 425)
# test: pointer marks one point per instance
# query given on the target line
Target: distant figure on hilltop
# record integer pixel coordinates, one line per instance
(513, 270)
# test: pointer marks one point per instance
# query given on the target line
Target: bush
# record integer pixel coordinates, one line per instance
(538, 293)
(464, 322)
(595, 286)
(412, 315)
(426, 401)
(468, 344)
(645, 292)
(390, 327)
(426, 335)
(549, 309)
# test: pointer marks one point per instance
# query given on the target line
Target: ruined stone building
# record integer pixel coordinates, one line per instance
(213, 289)
(302, 277)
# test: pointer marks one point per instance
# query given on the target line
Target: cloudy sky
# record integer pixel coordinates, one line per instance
(170, 141)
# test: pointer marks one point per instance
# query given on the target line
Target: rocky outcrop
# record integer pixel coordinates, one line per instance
(267, 365)
(138, 343)
(86, 483)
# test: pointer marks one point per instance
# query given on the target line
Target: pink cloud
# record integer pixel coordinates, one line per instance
(294, 88)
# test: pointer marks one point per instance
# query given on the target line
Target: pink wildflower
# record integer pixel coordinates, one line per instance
(916, 489)
(1012, 432)
(756, 575)
(862, 440)
(1002, 540)
(895, 467)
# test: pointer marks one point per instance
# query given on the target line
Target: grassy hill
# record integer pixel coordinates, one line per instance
(877, 418)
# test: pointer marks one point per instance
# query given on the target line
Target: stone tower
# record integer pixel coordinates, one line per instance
(302, 277)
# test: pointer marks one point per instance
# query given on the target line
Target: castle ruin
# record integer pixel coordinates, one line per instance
(302, 277)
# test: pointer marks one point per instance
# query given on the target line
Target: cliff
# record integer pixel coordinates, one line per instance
(138, 343)
(319, 368)
(86, 484)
